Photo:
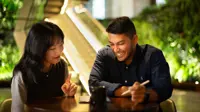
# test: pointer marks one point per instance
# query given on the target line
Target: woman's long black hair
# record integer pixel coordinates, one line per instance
(41, 36)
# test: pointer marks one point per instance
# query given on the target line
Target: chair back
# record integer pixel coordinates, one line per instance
(168, 106)
(6, 105)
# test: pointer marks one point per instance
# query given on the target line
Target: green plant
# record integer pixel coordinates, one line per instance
(9, 54)
(8, 13)
(176, 24)
(148, 35)
(8, 58)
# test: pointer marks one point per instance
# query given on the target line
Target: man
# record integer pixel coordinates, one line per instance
(124, 65)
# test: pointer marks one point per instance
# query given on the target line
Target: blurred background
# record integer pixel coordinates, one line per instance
(171, 25)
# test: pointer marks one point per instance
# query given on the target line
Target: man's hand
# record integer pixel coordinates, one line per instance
(119, 91)
(68, 87)
(137, 92)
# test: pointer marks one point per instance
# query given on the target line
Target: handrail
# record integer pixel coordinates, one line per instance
(95, 27)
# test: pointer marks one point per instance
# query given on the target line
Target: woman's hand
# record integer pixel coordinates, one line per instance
(68, 87)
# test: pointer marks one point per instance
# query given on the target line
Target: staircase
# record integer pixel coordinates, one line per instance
(52, 8)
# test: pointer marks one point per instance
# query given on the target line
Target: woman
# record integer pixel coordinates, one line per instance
(40, 73)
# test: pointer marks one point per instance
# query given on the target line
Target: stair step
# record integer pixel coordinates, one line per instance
(52, 10)
(57, 0)
(54, 3)
(47, 15)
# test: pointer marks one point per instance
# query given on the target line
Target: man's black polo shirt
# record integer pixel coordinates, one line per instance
(148, 64)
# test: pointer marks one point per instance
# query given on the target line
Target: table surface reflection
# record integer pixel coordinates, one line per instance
(72, 104)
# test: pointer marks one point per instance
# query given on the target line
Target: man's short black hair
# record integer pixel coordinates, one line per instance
(122, 25)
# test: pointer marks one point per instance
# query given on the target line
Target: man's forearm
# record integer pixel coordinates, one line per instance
(118, 92)
(111, 87)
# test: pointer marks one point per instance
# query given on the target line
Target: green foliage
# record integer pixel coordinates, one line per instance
(9, 53)
(9, 56)
(148, 35)
(8, 13)
(175, 29)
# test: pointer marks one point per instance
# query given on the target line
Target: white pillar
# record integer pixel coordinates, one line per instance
(130, 8)
(139, 5)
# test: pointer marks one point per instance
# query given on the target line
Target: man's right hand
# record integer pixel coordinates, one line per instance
(118, 92)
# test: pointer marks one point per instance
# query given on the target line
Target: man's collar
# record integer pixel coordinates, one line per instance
(136, 55)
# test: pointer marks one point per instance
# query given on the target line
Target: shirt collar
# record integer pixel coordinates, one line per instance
(136, 55)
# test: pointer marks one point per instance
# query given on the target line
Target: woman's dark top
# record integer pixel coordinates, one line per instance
(47, 85)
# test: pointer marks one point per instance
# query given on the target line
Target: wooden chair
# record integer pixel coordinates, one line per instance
(168, 106)
(6, 105)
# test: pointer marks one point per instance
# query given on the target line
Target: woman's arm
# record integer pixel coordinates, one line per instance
(19, 93)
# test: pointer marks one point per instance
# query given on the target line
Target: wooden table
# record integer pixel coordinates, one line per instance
(66, 104)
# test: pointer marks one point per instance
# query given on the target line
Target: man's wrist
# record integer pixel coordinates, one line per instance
(120, 90)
